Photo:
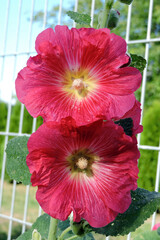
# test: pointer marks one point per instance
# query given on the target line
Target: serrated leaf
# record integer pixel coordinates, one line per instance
(144, 203)
(79, 17)
(42, 226)
(16, 160)
(138, 62)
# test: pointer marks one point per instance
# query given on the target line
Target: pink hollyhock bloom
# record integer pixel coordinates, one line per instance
(156, 226)
(88, 170)
(81, 73)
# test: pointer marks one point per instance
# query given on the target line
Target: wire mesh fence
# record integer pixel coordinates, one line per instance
(22, 21)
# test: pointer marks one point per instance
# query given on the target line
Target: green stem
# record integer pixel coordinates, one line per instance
(52, 229)
(63, 233)
(106, 10)
(73, 237)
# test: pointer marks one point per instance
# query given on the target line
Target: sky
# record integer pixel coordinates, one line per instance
(18, 39)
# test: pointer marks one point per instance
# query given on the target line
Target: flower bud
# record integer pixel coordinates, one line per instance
(77, 228)
(36, 235)
(126, 1)
(113, 19)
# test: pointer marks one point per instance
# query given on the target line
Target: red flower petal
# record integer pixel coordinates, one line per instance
(135, 114)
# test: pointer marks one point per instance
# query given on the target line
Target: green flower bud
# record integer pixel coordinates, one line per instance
(126, 1)
(36, 235)
(113, 19)
(77, 228)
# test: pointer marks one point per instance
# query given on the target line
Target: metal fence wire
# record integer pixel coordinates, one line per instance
(15, 9)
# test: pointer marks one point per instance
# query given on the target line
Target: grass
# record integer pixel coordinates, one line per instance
(32, 213)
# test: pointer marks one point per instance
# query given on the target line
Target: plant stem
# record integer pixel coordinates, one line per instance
(63, 233)
(52, 229)
(106, 10)
(73, 237)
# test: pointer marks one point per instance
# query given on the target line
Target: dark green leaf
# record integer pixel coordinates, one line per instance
(144, 203)
(16, 160)
(138, 62)
(42, 226)
(79, 17)
(127, 124)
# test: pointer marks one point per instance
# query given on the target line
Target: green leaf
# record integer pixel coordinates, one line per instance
(42, 226)
(79, 17)
(138, 62)
(144, 203)
(16, 160)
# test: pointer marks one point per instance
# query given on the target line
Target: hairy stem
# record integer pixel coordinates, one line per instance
(52, 229)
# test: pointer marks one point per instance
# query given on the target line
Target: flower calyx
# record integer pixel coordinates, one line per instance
(79, 228)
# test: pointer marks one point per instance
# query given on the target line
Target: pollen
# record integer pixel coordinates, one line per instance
(82, 163)
(79, 84)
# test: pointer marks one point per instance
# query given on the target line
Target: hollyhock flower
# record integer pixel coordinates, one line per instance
(81, 73)
(88, 170)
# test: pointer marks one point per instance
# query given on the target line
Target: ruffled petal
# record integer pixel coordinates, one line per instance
(41, 86)
(99, 197)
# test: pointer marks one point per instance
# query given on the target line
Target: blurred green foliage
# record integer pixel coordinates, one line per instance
(16, 231)
(150, 136)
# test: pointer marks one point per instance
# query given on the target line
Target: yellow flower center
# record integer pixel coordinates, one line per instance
(79, 83)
